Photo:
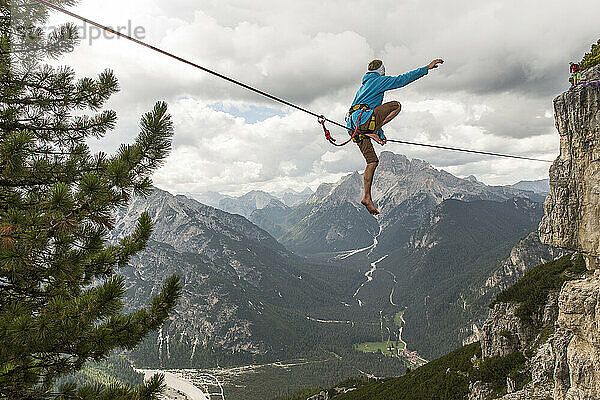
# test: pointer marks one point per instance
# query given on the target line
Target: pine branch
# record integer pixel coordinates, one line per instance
(61, 303)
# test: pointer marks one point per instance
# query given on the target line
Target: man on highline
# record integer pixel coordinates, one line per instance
(367, 106)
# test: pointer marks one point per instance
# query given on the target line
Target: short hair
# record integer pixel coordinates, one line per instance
(374, 65)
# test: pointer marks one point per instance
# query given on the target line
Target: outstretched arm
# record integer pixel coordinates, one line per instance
(396, 82)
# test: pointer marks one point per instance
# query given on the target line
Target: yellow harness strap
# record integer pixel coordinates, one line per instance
(371, 127)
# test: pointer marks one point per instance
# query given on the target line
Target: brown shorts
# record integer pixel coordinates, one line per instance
(381, 112)
(366, 148)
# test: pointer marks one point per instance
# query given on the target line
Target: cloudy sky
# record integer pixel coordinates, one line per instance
(505, 62)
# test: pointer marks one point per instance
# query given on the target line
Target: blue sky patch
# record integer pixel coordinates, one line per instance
(250, 113)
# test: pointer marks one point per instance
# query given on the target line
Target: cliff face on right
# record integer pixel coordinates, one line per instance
(552, 316)
(572, 220)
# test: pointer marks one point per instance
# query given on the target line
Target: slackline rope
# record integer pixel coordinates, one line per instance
(321, 118)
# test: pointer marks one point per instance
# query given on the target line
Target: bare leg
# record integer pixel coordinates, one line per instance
(391, 115)
(367, 201)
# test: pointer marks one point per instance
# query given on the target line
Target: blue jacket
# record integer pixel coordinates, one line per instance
(372, 90)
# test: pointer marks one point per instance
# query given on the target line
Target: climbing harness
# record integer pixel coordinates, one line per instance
(321, 118)
(354, 136)
(330, 138)
(371, 127)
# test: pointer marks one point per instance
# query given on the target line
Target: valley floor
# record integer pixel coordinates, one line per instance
(247, 382)
(179, 387)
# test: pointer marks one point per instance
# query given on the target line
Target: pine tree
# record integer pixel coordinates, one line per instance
(592, 58)
(61, 301)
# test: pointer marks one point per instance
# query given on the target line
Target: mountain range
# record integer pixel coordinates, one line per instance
(254, 200)
(319, 277)
(404, 190)
(541, 186)
(245, 297)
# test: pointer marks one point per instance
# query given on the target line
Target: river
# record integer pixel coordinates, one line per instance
(174, 381)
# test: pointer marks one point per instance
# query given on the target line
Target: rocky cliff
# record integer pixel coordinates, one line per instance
(572, 220)
(562, 344)
(561, 337)
(526, 254)
(579, 320)
(572, 217)
(530, 320)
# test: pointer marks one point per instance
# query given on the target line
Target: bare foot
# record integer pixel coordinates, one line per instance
(370, 206)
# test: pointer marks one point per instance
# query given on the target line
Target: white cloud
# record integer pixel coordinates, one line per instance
(505, 61)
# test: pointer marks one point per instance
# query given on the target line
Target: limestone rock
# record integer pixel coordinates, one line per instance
(579, 312)
(541, 386)
(572, 220)
(560, 341)
(572, 210)
(330, 394)
(479, 391)
(503, 332)
(323, 395)
(567, 365)
(544, 362)
(525, 395)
